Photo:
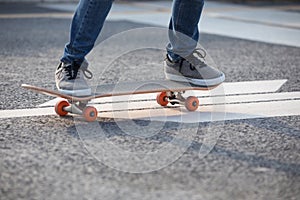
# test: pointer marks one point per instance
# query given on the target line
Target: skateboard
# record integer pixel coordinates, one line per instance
(168, 92)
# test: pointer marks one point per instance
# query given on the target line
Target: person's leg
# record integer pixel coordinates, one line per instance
(184, 62)
(86, 25)
(184, 33)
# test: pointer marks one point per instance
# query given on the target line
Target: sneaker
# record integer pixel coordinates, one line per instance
(70, 79)
(193, 69)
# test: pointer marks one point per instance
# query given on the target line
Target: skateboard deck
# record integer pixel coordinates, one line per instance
(169, 92)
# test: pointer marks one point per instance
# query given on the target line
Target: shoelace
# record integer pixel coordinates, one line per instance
(195, 59)
(87, 73)
(73, 72)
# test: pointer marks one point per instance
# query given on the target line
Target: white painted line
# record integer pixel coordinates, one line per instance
(229, 88)
(36, 15)
(250, 98)
(238, 104)
(26, 112)
(50, 103)
(225, 27)
(264, 16)
(258, 24)
(213, 112)
(251, 31)
(179, 114)
(250, 87)
(203, 101)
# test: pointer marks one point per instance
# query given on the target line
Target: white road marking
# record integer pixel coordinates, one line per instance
(36, 15)
(250, 98)
(240, 102)
(229, 88)
(258, 24)
(30, 112)
(179, 114)
(214, 112)
(256, 98)
(264, 25)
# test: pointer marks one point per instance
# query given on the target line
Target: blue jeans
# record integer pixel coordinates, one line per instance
(90, 15)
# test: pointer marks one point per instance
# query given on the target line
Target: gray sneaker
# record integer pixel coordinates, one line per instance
(194, 70)
(70, 79)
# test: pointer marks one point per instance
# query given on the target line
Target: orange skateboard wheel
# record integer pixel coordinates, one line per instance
(161, 99)
(59, 107)
(192, 103)
(90, 113)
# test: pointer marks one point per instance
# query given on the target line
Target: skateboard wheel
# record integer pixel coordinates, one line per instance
(161, 99)
(90, 113)
(59, 107)
(191, 103)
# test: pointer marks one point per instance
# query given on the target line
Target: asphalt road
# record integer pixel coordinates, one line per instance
(44, 158)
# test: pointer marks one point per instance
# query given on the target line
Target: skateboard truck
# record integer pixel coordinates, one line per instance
(63, 107)
(191, 103)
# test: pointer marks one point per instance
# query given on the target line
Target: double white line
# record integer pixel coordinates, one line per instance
(236, 100)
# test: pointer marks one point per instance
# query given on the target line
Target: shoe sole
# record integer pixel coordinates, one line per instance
(198, 82)
(77, 93)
